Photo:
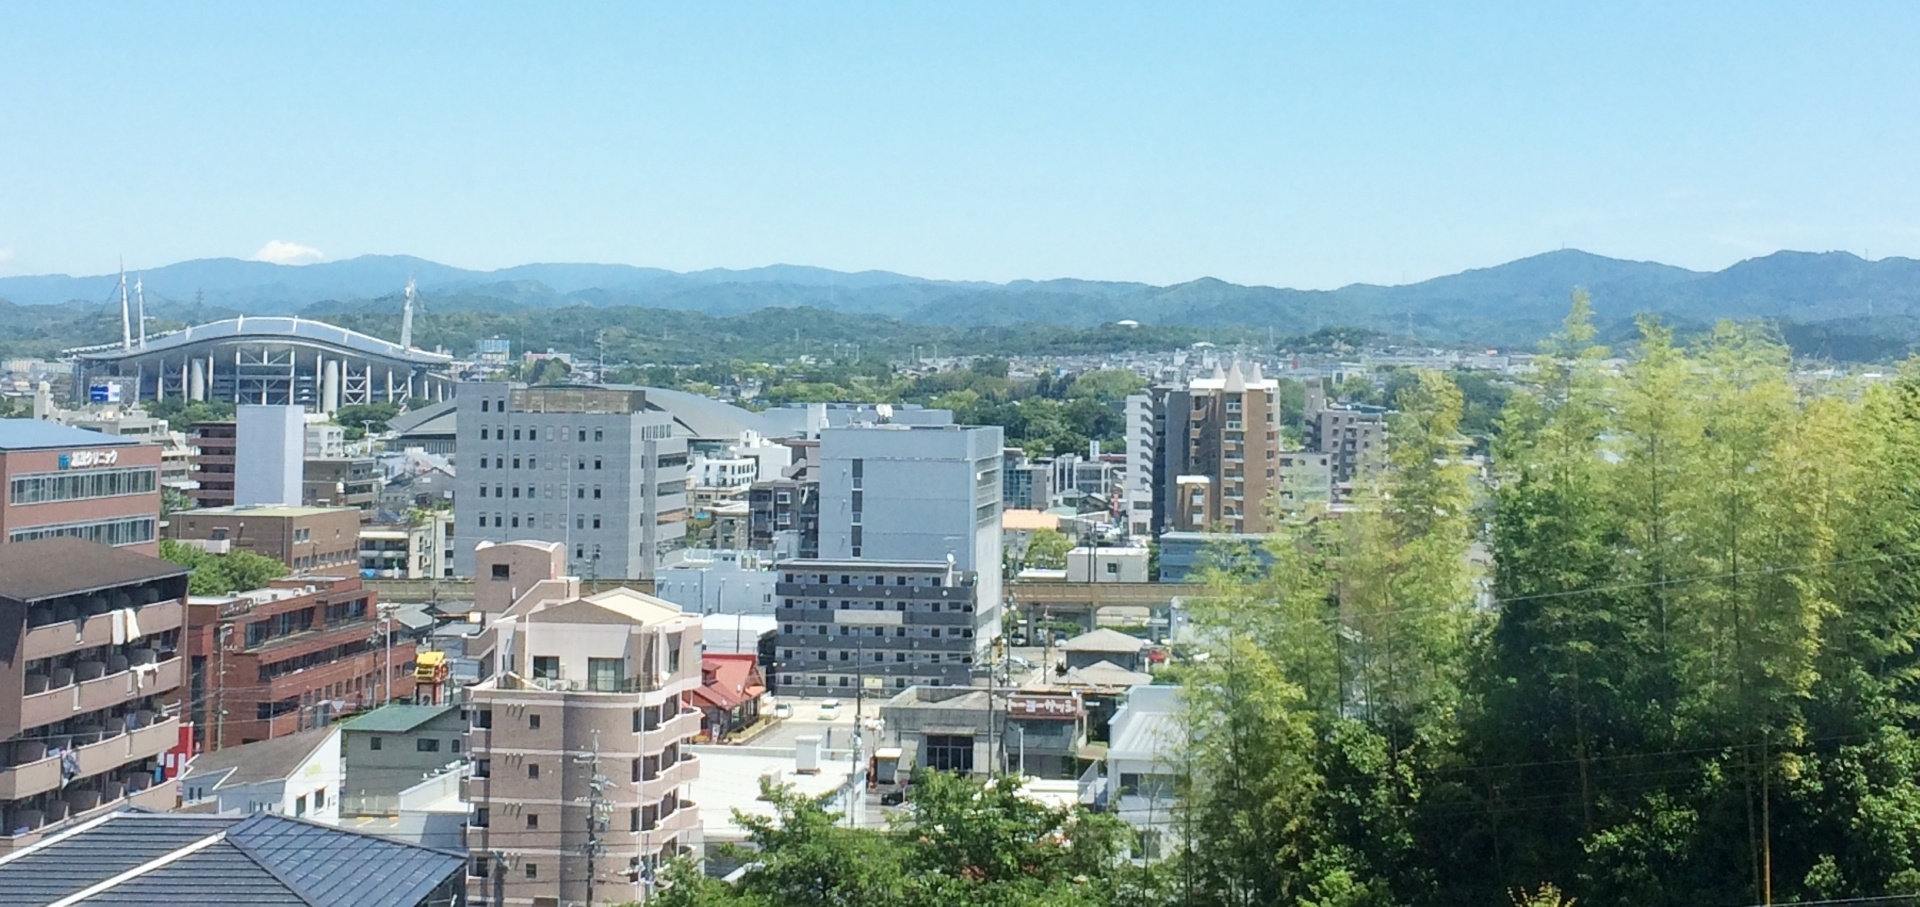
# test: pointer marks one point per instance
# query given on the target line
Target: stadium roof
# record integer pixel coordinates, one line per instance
(264, 327)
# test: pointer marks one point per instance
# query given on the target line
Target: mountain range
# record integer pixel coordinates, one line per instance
(1832, 295)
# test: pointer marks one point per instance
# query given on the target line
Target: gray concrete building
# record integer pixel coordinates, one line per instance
(914, 493)
(853, 625)
(395, 747)
(592, 468)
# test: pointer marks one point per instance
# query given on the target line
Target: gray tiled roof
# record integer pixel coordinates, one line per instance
(263, 859)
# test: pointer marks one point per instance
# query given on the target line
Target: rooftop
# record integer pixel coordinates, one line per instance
(265, 760)
(61, 565)
(263, 859)
(34, 434)
(1104, 640)
(269, 510)
(730, 776)
(397, 718)
(1106, 674)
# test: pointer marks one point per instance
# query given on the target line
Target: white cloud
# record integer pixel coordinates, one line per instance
(281, 252)
(6, 254)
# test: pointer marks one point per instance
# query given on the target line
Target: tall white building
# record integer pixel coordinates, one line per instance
(270, 445)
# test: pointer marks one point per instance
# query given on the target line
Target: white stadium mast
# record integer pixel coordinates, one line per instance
(406, 319)
(126, 317)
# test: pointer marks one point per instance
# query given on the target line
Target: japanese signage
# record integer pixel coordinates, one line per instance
(82, 459)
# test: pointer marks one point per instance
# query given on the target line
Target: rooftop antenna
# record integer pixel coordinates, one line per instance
(140, 303)
(126, 317)
(406, 318)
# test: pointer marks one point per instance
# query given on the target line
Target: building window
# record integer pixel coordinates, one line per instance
(480, 819)
(596, 462)
(427, 745)
(500, 571)
(373, 743)
(533, 771)
(596, 492)
(533, 722)
(949, 752)
(546, 667)
(598, 436)
(533, 820)
(533, 870)
(483, 433)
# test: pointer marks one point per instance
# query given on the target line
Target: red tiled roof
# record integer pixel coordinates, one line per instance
(736, 679)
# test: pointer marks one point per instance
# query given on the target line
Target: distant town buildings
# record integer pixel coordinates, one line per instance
(64, 481)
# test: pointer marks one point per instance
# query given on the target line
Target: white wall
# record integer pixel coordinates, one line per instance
(269, 453)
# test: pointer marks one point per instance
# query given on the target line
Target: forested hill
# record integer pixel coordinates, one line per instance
(1833, 303)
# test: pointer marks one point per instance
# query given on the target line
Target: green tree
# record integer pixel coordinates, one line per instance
(1047, 549)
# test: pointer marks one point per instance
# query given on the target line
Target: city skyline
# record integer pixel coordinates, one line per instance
(1297, 148)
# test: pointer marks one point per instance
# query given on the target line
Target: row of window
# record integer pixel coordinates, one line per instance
(848, 655)
(580, 521)
(128, 531)
(898, 632)
(43, 487)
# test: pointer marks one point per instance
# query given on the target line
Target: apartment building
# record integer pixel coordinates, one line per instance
(1353, 436)
(1206, 456)
(853, 626)
(271, 662)
(589, 467)
(303, 538)
(90, 683)
(414, 549)
(342, 482)
(578, 735)
(63, 481)
(213, 465)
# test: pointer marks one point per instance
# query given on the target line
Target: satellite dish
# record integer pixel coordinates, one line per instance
(884, 411)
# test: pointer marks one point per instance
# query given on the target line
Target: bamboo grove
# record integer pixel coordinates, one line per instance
(1663, 655)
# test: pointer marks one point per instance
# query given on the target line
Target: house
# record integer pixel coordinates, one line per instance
(1141, 766)
(135, 857)
(392, 748)
(729, 693)
(1089, 649)
(297, 775)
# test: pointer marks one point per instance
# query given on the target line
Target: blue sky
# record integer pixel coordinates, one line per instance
(1308, 145)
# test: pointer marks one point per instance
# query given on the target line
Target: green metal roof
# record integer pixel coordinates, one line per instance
(397, 718)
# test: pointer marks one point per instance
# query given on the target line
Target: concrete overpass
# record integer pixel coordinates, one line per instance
(1084, 602)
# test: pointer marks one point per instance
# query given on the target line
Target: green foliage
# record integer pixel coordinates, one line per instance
(1700, 682)
(364, 416)
(1047, 549)
(964, 842)
(219, 574)
(181, 414)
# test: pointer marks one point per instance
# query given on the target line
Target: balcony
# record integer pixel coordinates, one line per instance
(37, 767)
(54, 698)
(653, 789)
(27, 824)
(96, 630)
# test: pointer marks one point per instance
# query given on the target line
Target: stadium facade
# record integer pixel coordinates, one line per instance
(271, 360)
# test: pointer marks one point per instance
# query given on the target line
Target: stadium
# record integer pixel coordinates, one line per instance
(274, 360)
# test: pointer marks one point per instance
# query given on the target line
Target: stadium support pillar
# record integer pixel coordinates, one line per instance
(330, 386)
(197, 384)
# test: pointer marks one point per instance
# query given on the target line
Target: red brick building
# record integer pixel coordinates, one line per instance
(292, 656)
(56, 480)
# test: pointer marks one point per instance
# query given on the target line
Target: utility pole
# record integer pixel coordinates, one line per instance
(220, 633)
(387, 610)
(597, 809)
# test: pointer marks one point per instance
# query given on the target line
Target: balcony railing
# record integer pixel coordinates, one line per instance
(38, 762)
(61, 637)
(28, 822)
(666, 779)
(46, 703)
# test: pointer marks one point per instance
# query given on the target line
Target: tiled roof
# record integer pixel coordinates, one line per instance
(263, 760)
(264, 859)
(1104, 640)
(61, 565)
(397, 718)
